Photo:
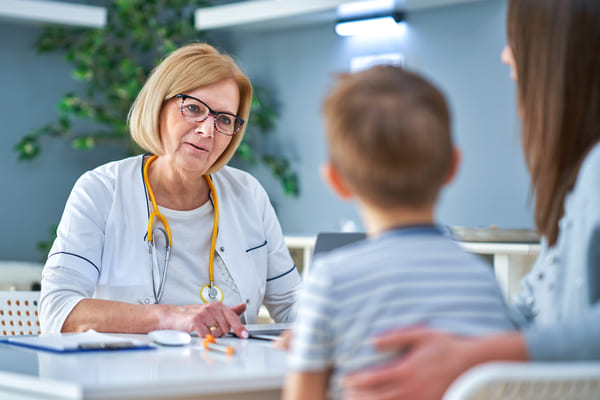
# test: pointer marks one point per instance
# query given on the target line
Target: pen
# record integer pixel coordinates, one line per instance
(210, 343)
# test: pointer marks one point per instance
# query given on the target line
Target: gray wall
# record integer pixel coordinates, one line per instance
(457, 47)
(33, 193)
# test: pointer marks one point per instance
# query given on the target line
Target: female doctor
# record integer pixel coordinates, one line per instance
(172, 239)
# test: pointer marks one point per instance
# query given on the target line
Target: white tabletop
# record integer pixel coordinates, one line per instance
(255, 371)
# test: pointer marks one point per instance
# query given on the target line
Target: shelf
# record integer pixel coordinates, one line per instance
(53, 12)
(263, 11)
(277, 14)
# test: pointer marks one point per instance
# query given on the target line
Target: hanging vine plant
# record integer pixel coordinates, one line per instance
(112, 64)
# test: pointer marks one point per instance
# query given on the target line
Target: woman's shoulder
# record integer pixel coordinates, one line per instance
(107, 174)
(588, 180)
(235, 177)
(112, 168)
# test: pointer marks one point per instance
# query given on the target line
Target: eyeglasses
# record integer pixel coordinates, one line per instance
(197, 111)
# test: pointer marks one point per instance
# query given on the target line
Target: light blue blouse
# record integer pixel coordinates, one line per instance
(560, 302)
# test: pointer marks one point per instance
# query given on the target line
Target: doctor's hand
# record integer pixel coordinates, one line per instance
(211, 318)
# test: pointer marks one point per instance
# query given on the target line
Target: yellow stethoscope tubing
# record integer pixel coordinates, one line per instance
(213, 240)
(156, 214)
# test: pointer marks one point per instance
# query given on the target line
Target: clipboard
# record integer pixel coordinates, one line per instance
(89, 340)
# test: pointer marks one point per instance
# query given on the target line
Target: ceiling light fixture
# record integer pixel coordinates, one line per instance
(372, 25)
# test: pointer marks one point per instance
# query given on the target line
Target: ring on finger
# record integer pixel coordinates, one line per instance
(213, 327)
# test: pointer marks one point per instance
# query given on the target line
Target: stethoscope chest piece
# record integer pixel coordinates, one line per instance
(211, 293)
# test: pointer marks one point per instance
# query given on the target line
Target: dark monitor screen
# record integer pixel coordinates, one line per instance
(327, 241)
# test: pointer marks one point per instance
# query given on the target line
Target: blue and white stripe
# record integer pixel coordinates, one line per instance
(402, 278)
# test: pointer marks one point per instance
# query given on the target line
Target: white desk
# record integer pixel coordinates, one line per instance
(255, 372)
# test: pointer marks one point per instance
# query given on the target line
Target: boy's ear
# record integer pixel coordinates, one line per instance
(454, 164)
(335, 181)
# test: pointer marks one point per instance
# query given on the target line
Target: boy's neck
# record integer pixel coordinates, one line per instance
(378, 219)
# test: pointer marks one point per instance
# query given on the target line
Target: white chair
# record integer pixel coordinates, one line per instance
(19, 313)
(528, 381)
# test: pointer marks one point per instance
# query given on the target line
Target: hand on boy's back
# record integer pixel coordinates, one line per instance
(431, 361)
(284, 342)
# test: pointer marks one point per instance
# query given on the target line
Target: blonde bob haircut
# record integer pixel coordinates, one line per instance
(186, 69)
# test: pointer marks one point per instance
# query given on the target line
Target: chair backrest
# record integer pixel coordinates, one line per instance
(19, 313)
(528, 381)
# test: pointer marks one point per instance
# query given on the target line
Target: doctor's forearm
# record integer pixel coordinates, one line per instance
(115, 316)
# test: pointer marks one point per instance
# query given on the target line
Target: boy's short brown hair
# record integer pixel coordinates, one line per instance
(389, 136)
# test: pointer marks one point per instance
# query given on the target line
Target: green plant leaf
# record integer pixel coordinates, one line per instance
(28, 147)
(83, 143)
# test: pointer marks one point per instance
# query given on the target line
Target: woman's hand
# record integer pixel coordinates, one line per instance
(431, 361)
(211, 318)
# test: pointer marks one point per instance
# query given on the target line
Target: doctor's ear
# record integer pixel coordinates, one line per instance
(334, 180)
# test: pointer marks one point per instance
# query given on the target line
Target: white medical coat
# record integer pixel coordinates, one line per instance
(101, 252)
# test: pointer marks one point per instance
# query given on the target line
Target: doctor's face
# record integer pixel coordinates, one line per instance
(195, 146)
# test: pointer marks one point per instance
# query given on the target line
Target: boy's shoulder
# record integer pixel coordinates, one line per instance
(397, 251)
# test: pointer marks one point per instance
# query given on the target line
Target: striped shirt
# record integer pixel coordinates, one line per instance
(406, 276)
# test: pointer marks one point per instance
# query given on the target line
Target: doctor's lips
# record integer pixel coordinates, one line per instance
(198, 147)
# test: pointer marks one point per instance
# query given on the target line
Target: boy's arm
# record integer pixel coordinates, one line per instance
(306, 385)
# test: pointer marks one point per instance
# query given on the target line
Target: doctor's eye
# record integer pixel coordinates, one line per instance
(194, 108)
(225, 120)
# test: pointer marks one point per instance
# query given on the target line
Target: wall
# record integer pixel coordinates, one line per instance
(34, 192)
(458, 47)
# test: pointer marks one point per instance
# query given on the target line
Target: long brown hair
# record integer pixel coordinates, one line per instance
(556, 47)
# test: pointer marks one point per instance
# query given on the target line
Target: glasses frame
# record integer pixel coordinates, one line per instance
(212, 112)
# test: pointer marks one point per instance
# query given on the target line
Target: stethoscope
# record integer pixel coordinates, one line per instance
(209, 292)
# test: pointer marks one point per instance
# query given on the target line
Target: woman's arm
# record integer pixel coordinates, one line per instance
(431, 361)
(115, 316)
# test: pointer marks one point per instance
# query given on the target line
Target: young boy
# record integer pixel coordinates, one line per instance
(390, 149)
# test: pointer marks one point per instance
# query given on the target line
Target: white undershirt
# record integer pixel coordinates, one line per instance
(188, 268)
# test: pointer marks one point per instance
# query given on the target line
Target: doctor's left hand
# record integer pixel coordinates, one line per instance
(211, 318)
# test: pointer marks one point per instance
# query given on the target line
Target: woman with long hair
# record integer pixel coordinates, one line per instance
(554, 54)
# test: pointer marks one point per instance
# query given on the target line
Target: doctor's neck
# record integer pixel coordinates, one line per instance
(177, 188)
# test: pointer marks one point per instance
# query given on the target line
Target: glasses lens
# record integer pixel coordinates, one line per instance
(227, 124)
(194, 110)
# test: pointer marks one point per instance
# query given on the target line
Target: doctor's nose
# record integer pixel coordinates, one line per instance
(206, 127)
